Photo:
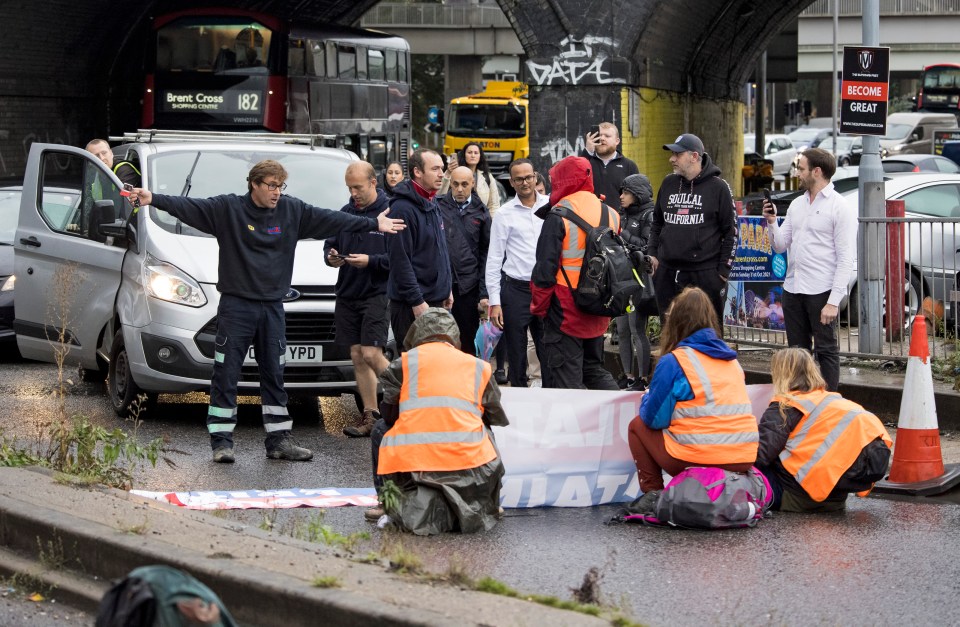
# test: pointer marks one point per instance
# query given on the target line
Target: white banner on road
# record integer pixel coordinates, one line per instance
(568, 448)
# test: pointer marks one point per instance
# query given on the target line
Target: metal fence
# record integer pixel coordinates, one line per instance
(923, 282)
(388, 14)
(847, 8)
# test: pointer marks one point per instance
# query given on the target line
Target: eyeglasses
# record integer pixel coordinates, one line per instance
(274, 186)
(525, 179)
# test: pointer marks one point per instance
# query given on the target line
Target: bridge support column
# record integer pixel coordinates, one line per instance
(464, 76)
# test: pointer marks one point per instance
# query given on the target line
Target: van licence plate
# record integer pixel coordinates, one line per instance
(296, 354)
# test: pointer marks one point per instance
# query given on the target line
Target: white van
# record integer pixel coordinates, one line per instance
(913, 132)
(133, 294)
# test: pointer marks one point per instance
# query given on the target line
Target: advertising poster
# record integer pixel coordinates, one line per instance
(755, 290)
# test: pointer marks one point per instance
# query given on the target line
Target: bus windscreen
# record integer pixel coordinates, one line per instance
(215, 45)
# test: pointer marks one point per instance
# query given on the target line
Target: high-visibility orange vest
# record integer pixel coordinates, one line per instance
(827, 440)
(717, 425)
(440, 426)
(587, 206)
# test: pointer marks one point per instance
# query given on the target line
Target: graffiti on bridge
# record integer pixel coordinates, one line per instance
(585, 62)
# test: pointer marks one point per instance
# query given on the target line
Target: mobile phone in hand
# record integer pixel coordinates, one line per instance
(127, 192)
(338, 256)
(595, 129)
(770, 210)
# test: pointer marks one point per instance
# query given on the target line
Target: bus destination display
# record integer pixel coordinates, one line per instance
(228, 102)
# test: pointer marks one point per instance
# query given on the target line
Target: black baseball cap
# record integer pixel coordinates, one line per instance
(684, 143)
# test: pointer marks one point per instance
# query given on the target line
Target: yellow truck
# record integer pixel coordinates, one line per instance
(496, 118)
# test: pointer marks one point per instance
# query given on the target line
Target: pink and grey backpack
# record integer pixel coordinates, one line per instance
(710, 498)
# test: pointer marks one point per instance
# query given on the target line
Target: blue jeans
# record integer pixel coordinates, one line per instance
(240, 323)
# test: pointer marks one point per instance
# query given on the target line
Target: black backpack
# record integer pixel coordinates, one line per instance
(611, 277)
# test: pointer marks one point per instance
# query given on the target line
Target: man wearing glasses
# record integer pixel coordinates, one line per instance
(257, 234)
(510, 260)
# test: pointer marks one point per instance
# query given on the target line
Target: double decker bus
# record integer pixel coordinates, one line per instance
(940, 88)
(235, 70)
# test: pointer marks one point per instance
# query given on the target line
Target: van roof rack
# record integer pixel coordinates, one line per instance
(153, 136)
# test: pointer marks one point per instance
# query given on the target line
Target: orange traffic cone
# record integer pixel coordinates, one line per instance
(917, 466)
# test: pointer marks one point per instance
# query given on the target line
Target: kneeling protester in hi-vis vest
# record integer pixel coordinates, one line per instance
(696, 412)
(815, 446)
(439, 404)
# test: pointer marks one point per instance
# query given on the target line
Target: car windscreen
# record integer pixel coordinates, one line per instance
(313, 177)
(897, 131)
(843, 144)
(804, 134)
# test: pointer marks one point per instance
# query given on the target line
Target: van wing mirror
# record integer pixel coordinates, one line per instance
(105, 220)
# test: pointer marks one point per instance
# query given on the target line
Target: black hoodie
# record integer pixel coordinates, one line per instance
(419, 263)
(695, 222)
(361, 283)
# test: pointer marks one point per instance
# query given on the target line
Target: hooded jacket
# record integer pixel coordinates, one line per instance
(695, 222)
(468, 238)
(670, 385)
(419, 263)
(549, 299)
(362, 283)
(462, 500)
(637, 219)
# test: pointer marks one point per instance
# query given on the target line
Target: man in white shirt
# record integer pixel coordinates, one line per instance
(511, 256)
(820, 236)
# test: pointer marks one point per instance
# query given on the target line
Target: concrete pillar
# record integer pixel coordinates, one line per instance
(464, 76)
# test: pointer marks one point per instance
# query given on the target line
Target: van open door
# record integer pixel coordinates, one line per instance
(67, 265)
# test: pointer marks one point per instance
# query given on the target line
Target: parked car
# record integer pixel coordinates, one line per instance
(62, 202)
(931, 256)
(920, 163)
(809, 137)
(134, 292)
(849, 148)
(779, 149)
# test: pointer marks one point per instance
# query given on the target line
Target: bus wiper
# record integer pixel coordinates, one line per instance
(187, 184)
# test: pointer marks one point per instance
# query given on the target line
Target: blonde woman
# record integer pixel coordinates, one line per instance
(485, 186)
(815, 446)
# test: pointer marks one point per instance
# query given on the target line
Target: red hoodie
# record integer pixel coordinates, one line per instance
(548, 298)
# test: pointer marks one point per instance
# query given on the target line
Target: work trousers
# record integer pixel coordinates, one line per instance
(515, 301)
(668, 282)
(468, 318)
(801, 315)
(573, 363)
(240, 323)
(651, 457)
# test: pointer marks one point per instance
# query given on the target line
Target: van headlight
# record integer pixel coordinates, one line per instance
(166, 282)
(8, 283)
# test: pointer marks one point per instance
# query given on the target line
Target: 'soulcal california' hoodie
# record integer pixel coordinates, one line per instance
(695, 222)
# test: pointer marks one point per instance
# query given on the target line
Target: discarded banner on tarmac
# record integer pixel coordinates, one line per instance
(568, 448)
(265, 499)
